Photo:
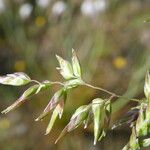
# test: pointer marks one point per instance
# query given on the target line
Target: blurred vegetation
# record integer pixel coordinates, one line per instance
(112, 41)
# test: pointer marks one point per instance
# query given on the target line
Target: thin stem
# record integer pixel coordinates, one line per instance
(51, 82)
(57, 82)
(35, 81)
(110, 93)
(99, 88)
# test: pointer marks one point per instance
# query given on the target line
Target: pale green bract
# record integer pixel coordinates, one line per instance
(56, 112)
(35, 89)
(81, 112)
(141, 127)
(68, 70)
(15, 79)
(65, 68)
(73, 83)
(59, 98)
(76, 64)
(98, 115)
(79, 116)
(147, 85)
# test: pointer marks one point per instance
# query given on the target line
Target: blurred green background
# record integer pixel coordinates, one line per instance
(112, 41)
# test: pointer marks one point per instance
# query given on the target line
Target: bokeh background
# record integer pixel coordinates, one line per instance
(112, 40)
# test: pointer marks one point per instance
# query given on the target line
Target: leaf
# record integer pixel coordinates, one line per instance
(65, 68)
(57, 112)
(76, 64)
(60, 95)
(35, 89)
(15, 79)
(98, 112)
